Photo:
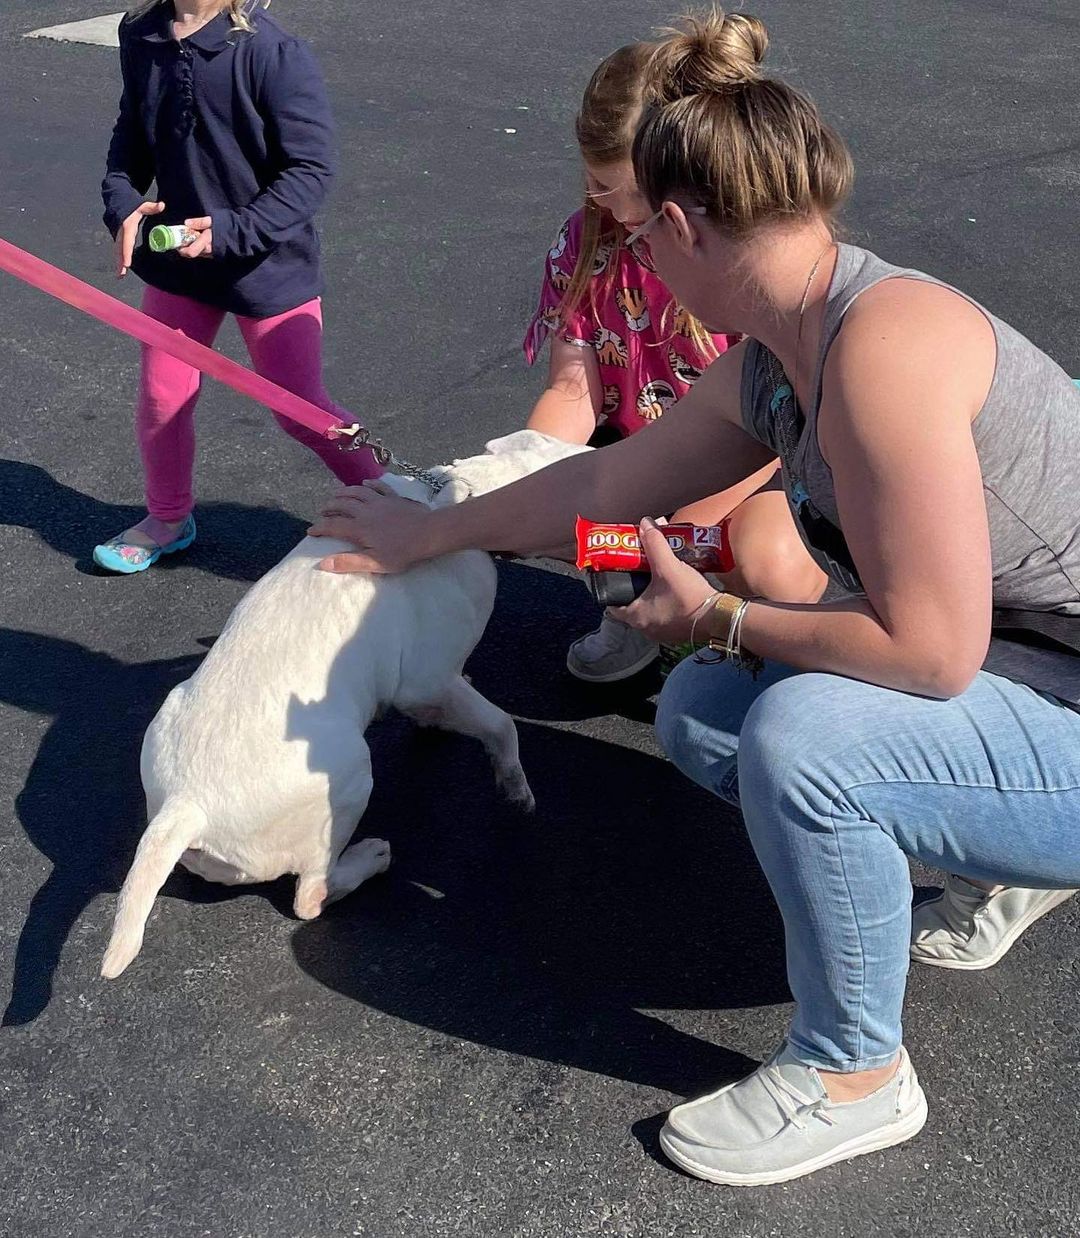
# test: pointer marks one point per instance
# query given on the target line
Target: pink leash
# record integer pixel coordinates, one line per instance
(148, 330)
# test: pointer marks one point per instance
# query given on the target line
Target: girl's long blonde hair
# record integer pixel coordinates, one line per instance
(605, 128)
(238, 10)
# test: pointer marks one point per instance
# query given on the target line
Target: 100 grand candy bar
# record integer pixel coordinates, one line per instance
(617, 570)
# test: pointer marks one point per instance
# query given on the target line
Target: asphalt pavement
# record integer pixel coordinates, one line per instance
(482, 1042)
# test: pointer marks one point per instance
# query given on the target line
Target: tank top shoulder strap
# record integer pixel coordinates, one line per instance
(856, 271)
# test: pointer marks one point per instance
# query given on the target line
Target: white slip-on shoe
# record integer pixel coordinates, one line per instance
(611, 653)
(967, 928)
(778, 1124)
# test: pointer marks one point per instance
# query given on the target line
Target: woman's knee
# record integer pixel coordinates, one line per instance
(699, 717)
(802, 741)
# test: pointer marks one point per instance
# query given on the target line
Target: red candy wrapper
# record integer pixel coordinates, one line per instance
(617, 547)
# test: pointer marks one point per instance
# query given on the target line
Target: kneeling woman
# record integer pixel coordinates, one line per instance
(929, 455)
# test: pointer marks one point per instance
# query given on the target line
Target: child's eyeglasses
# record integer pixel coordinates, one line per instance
(637, 242)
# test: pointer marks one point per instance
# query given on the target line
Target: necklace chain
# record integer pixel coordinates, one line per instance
(802, 311)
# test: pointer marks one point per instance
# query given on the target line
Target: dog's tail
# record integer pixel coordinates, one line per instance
(175, 828)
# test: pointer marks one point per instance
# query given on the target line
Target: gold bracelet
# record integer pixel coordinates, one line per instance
(726, 606)
(734, 644)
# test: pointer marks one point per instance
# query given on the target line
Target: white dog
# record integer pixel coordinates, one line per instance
(257, 765)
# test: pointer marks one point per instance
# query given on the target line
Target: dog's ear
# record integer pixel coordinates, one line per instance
(532, 450)
(506, 460)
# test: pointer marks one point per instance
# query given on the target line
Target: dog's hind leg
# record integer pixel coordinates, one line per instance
(310, 895)
(315, 890)
(355, 865)
(464, 710)
(340, 869)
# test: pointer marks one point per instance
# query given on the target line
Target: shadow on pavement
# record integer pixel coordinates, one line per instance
(553, 930)
(235, 542)
(630, 890)
(81, 805)
(521, 661)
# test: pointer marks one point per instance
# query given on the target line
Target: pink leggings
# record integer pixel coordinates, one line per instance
(287, 349)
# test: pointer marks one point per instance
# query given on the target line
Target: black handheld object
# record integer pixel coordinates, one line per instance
(617, 588)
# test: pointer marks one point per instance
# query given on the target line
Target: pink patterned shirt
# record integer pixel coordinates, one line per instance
(647, 357)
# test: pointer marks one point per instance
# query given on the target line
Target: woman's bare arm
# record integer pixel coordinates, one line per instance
(904, 379)
(696, 449)
(907, 374)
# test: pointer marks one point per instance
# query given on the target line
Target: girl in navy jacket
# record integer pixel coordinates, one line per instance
(228, 115)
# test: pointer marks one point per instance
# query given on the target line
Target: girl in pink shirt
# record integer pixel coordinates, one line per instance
(648, 352)
(623, 352)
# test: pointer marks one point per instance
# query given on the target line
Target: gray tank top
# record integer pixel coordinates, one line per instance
(1027, 436)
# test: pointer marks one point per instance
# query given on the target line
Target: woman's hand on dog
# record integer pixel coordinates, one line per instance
(665, 611)
(388, 531)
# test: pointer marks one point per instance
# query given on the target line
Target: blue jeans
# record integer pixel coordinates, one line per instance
(838, 782)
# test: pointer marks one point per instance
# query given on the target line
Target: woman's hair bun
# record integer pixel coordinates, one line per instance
(707, 52)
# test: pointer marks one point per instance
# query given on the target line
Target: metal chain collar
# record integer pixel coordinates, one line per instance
(359, 437)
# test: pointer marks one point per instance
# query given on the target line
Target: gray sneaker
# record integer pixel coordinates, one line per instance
(968, 929)
(778, 1124)
(612, 652)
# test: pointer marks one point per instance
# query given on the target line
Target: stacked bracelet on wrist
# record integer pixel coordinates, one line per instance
(726, 615)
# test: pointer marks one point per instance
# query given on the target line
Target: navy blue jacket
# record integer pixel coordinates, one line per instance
(231, 125)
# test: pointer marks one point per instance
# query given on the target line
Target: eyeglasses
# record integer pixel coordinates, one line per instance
(597, 194)
(637, 243)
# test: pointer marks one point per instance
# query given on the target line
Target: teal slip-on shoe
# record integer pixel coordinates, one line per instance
(116, 555)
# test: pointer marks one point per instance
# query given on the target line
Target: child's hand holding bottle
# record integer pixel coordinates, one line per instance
(203, 245)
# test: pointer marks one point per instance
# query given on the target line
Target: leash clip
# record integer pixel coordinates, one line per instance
(359, 437)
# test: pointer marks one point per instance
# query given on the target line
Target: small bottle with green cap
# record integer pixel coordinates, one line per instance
(165, 237)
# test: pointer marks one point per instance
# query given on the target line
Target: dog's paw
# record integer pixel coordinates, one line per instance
(371, 854)
(356, 864)
(311, 892)
(118, 956)
(517, 791)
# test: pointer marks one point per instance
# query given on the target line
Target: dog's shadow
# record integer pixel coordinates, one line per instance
(235, 542)
(629, 890)
(82, 804)
(593, 845)
(553, 936)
